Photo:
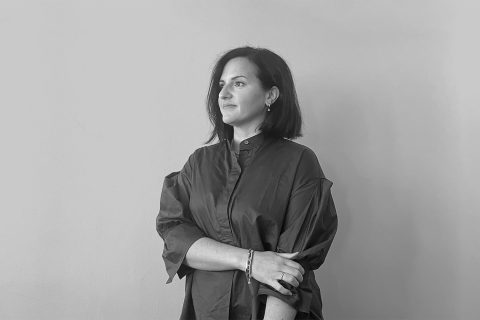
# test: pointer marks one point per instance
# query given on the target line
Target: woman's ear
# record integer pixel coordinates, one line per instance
(272, 95)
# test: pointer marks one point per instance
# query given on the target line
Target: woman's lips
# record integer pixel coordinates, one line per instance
(229, 106)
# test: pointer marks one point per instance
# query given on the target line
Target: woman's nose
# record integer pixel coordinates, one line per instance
(224, 92)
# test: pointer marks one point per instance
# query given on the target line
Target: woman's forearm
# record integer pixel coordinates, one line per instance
(276, 309)
(267, 266)
(211, 255)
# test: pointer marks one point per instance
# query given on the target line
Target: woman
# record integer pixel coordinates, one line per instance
(249, 218)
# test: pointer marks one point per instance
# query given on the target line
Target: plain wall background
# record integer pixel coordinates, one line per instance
(101, 99)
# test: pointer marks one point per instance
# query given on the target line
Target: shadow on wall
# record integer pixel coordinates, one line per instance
(386, 260)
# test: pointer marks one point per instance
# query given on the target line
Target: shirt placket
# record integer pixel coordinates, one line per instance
(226, 233)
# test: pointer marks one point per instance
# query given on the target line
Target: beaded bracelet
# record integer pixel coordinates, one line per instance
(248, 270)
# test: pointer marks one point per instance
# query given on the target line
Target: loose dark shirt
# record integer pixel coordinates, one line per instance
(273, 196)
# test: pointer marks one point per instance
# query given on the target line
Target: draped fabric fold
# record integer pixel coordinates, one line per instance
(174, 222)
(310, 226)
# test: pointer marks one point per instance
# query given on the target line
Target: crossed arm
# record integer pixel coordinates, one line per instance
(210, 255)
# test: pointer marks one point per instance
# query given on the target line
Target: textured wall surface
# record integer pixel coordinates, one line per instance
(101, 99)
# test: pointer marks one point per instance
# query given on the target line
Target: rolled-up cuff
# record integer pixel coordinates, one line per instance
(177, 241)
(300, 299)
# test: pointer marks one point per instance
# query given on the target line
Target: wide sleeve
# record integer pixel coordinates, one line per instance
(309, 227)
(174, 221)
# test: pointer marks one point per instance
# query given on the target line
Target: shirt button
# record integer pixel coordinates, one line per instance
(246, 142)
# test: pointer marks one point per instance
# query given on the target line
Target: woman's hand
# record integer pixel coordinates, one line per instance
(270, 267)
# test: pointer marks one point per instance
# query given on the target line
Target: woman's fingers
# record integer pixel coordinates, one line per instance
(288, 278)
(290, 262)
(288, 255)
(295, 265)
(268, 267)
(293, 272)
(277, 286)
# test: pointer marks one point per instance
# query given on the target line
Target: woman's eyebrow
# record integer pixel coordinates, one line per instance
(233, 78)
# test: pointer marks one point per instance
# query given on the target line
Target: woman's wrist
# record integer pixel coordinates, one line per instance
(248, 270)
(242, 259)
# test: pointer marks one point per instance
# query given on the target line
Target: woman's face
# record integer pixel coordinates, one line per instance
(242, 97)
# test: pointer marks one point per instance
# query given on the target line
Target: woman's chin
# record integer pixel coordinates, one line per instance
(228, 120)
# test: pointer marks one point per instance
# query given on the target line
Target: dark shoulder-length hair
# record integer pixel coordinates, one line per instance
(284, 120)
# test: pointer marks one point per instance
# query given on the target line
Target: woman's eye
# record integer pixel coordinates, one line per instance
(239, 84)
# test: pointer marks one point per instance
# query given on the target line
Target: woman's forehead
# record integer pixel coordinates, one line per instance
(239, 66)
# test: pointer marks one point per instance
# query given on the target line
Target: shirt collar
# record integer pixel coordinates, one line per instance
(250, 143)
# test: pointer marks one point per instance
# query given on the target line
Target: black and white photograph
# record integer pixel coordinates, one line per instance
(239, 160)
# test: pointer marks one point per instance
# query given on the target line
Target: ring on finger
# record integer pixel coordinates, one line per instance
(282, 276)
